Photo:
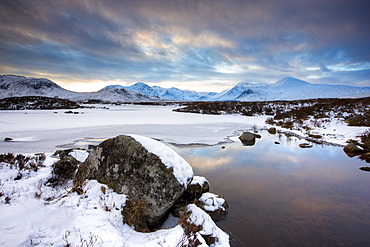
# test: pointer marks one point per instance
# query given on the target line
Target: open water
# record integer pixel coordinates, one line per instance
(284, 195)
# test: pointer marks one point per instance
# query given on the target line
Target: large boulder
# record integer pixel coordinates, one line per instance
(149, 172)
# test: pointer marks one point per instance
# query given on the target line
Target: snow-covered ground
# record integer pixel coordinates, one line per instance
(40, 131)
(35, 214)
(35, 131)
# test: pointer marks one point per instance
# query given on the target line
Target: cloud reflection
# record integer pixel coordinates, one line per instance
(279, 191)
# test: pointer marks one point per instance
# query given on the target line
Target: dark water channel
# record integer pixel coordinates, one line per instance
(283, 195)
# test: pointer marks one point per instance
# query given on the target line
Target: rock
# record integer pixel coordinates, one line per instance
(248, 138)
(258, 136)
(365, 157)
(126, 166)
(365, 168)
(352, 148)
(316, 136)
(272, 130)
(64, 169)
(305, 145)
(8, 139)
(196, 188)
(195, 221)
(214, 205)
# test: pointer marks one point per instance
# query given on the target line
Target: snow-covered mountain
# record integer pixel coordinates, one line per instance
(170, 93)
(16, 86)
(288, 88)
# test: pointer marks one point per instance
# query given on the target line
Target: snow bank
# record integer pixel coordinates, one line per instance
(201, 218)
(181, 169)
(33, 214)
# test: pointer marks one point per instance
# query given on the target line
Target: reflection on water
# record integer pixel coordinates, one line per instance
(283, 195)
(84, 144)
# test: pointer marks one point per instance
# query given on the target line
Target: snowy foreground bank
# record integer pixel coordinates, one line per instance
(35, 214)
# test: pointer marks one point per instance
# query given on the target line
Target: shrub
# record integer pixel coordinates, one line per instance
(133, 213)
(189, 238)
(63, 171)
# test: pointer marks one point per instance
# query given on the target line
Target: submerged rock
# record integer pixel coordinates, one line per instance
(305, 145)
(152, 179)
(352, 148)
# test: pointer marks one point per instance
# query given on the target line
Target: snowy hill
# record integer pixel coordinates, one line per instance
(169, 93)
(17, 86)
(290, 88)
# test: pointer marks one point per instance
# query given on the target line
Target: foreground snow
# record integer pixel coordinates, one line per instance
(33, 214)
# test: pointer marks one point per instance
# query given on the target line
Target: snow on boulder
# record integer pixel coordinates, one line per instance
(149, 172)
(214, 205)
(181, 169)
(197, 187)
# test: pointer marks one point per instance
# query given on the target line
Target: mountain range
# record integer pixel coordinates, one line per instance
(288, 88)
(16, 86)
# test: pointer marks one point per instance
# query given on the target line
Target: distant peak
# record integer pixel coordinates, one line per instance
(140, 84)
(244, 84)
(289, 82)
(111, 86)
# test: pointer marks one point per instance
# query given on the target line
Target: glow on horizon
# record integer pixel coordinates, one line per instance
(96, 85)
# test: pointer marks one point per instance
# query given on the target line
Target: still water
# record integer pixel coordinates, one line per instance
(283, 195)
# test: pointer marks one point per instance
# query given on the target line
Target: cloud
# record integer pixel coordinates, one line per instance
(187, 41)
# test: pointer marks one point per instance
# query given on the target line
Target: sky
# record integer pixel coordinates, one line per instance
(201, 45)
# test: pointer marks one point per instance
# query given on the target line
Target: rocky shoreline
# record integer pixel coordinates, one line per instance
(155, 180)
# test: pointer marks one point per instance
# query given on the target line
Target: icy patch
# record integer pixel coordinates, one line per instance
(25, 139)
(181, 169)
(80, 155)
(211, 201)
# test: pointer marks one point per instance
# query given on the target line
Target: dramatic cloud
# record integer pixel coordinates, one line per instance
(207, 44)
